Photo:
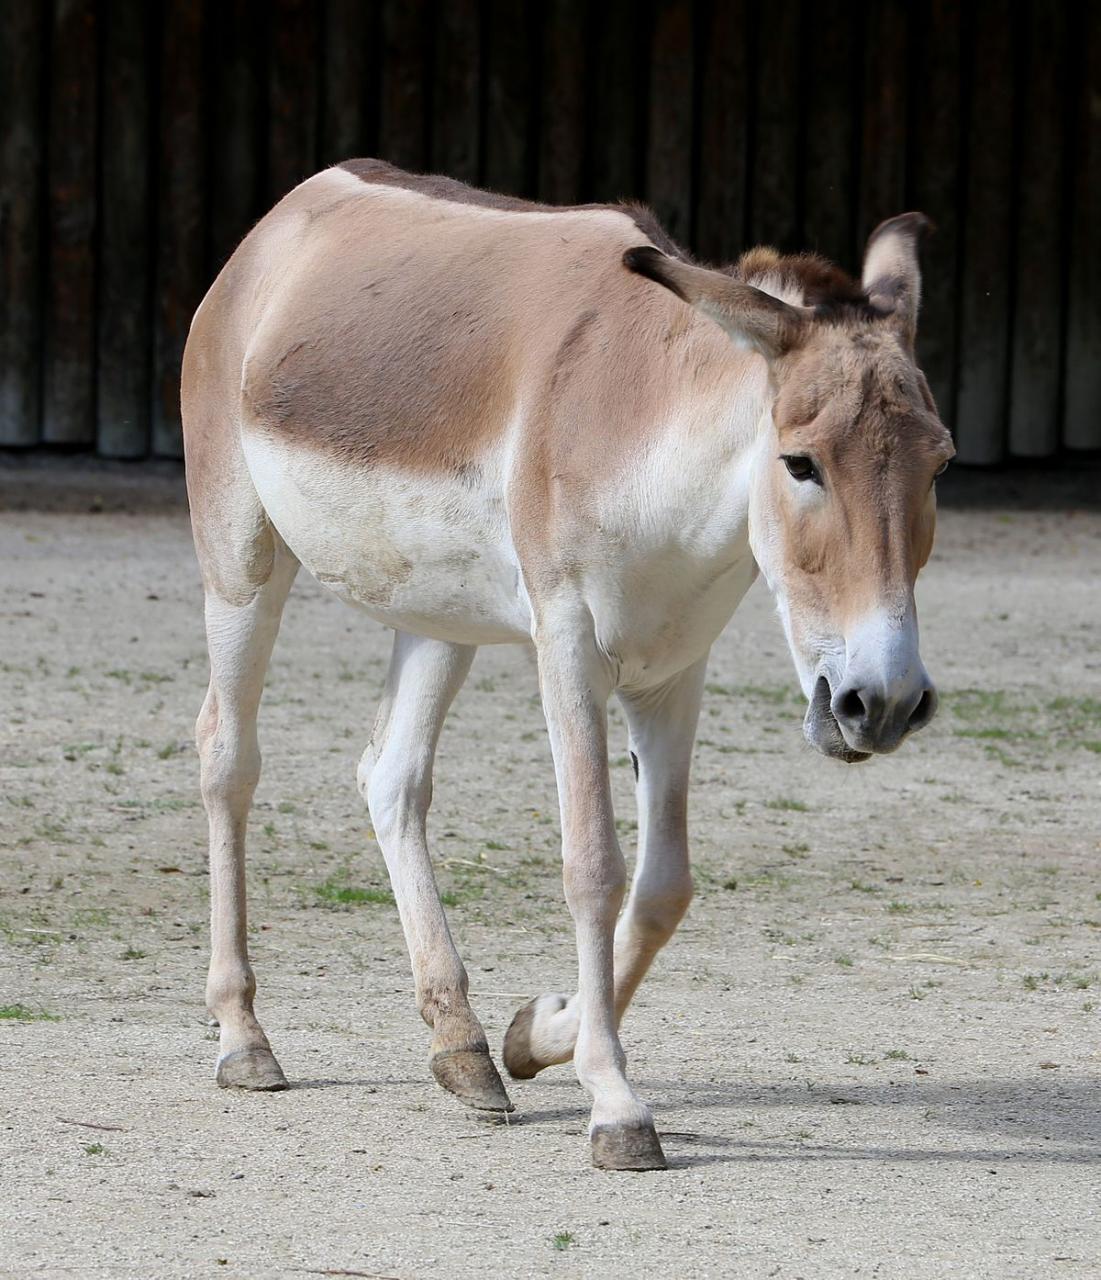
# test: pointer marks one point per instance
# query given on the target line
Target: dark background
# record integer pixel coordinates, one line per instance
(139, 141)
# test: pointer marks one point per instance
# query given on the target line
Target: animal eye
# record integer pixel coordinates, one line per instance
(800, 467)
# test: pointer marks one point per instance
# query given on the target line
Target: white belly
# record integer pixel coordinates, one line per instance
(433, 555)
(424, 554)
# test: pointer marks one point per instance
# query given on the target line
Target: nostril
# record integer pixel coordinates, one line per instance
(850, 705)
(924, 711)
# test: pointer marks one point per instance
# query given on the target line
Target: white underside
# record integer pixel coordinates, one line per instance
(424, 556)
(434, 555)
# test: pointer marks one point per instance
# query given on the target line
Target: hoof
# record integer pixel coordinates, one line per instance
(519, 1062)
(636, 1149)
(471, 1076)
(520, 1059)
(251, 1068)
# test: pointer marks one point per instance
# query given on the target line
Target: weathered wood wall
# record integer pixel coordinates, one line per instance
(139, 141)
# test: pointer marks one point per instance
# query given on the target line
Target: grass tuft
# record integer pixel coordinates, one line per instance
(787, 805)
(23, 1013)
(336, 891)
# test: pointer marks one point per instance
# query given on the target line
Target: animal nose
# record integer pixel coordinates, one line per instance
(874, 718)
(924, 709)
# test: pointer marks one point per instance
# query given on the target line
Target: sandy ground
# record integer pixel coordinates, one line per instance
(872, 1049)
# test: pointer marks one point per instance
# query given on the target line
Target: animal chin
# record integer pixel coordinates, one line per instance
(821, 730)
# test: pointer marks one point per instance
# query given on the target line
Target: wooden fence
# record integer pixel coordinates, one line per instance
(138, 141)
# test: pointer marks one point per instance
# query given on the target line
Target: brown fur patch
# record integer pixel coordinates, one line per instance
(407, 332)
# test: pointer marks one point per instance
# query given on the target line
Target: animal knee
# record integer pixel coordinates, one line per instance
(229, 768)
(595, 883)
(397, 793)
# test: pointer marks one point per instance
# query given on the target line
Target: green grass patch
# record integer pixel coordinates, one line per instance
(338, 892)
(785, 804)
(24, 1013)
(993, 716)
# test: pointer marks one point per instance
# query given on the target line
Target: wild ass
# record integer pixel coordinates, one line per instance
(485, 422)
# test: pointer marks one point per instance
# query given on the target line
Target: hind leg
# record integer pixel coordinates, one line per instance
(395, 778)
(240, 637)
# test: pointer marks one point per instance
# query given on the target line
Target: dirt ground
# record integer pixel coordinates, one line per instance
(872, 1049)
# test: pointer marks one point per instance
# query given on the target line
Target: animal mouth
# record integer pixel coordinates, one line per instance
(821, 730)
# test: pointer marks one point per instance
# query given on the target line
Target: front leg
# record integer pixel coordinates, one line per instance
(662, 724)
(576, 681)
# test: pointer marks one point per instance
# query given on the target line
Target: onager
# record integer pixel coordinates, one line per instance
(487, 422)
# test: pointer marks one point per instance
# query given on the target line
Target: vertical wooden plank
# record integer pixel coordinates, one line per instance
(509, 159)
(456, 97)
(669, 141)
(613, 160)
(22, 135)
(831, 108)
(722, 175)
(935, 188)
(292, 95)
(69, 373)
(774, 165)
(883, 144)
(238, 142)
(1038, 301)
(347, 97)
(122, 386)
(985, 240)
(404, 104)
(1082, 415)
(563, 126)
(181, 204)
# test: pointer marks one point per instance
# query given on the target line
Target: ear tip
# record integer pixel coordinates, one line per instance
(915, 224)
(924, 226)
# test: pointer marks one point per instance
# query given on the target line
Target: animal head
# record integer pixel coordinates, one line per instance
(842, 508)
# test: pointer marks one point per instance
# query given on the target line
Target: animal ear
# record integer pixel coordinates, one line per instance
(892, 276)
(751, 317)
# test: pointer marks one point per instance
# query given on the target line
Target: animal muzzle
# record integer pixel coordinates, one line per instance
(882, 696)
(874, 717)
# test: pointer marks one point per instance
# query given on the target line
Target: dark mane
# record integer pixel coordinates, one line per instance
(832, 293)
(440, 187)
